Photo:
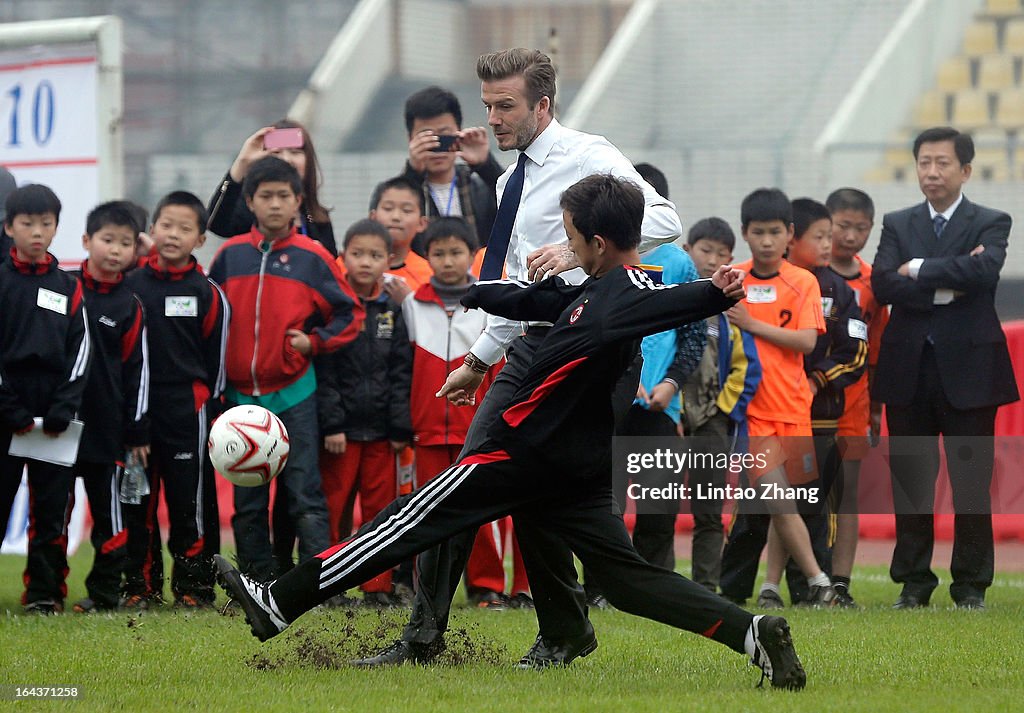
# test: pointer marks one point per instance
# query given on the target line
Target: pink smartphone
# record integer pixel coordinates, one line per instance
(283, 139)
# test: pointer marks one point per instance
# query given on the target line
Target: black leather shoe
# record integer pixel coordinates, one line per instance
(544, 654)
(401, 652)
(971, 603)
(910, 601)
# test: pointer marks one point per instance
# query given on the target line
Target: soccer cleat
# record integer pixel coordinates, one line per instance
(598, 601)
(190, 601)
(45, 607)
(487, 599)
(546, 654)
(85, 606)
(768, 599)
(823, 596)
(521, 600)
(844, 600)
(775, 656)
(401, 652)
(261, 613)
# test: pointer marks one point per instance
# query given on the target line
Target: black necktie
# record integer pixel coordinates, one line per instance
(939, 223)
(501, 231)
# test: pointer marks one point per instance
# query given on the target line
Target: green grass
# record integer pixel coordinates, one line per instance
(873, 659)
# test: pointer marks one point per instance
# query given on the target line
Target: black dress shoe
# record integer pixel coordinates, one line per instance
(544, 653)
(971, 603)
(910, 601)
(400, 652)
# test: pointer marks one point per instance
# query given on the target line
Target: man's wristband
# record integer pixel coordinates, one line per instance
(672, 382)
(476, 363)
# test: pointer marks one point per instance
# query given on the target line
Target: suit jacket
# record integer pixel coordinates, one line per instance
(970, 347)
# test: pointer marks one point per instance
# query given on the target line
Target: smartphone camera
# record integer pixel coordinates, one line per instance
(290, 138)
(448, 143)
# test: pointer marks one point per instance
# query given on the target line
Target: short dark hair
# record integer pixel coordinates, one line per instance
(33, 199)
(365, 226)
(430, 102)
(653, 175)
(850, 199)
(271, 169)
(766, 204)
(807, 212)
(117, 213)
(450, 227)
(604, 205)
(963, 144)
(401, 183)
(535, 67)
(186, 199)
(714, 229)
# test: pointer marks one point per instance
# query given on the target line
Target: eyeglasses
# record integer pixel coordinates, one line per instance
(861, 228)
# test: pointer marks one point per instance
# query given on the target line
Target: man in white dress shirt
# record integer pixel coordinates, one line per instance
(518, 91)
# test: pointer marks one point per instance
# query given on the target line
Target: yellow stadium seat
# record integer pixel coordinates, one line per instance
(1010, 109)
(995, 72)
(931, 110)
(1003, 8)
(980, 38)
(991, 164)
(1013, 37)
(1018, 163)
(970, 109)
(955, 74)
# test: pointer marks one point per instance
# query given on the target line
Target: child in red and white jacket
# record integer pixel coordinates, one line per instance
(442, 333)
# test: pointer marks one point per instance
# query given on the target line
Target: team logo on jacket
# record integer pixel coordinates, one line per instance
(385, 325)
(576, 313)
(107, 321)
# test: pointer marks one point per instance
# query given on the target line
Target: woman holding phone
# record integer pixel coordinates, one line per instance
(289, 141)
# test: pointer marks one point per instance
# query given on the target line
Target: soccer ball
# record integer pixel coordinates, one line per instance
(248, 445)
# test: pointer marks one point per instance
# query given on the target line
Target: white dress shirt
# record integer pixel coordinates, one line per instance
(942, 296)
(556, 159)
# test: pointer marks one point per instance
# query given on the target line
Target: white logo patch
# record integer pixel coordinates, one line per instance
(107, 321)
(181, 306)
(53, 301)
(826, 306)
(857, 329)
(761, 294)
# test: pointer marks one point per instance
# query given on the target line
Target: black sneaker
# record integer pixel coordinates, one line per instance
(844, 599)
(598, 601)
(823, 596)
(261, 613)
(45, 607)
(769, 599)
(775, 656)
(521, 600)
(402, 652)
(487, 599)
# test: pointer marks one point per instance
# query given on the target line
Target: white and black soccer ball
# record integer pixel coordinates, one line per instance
(248, 445)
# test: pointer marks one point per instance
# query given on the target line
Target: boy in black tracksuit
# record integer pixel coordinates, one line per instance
(549, 454)
(363, 399)
(187, 319)
(116, 394)
(44, 356)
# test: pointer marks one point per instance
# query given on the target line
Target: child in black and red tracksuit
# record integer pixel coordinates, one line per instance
(363, 398)
(116, 393)
(187, 320)
(44, 356)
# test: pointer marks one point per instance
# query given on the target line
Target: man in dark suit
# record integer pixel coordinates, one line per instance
(943, 367)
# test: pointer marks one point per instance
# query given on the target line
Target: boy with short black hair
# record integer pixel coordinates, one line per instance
(398, 206)
(290, 304)
(116, 394)
(715, 399)
(363, 399)
(783, 312)
(44, 357)
(853, 215)
(187, 318)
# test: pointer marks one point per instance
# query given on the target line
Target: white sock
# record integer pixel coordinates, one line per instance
(769, 587)
(819, 580)
(748, 640)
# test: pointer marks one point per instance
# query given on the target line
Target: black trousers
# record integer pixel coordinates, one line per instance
(483, 487)
(50, 489)
(559, 598)
(968, 440)
(109, 537)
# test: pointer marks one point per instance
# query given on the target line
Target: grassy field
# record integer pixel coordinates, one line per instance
(873, 659)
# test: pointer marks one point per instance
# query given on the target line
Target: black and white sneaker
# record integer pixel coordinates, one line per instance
(262, 614)
(844, 600)
(769, 599)
(775, 656)
(823, 596)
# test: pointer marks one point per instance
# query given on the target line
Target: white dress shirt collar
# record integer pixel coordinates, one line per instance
(541, 146)
(947, 214)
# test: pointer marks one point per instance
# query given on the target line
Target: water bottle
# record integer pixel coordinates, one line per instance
(134, 483)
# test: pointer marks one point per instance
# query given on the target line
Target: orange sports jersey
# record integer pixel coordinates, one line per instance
(791, 299)
(415, 271)
(875, 315)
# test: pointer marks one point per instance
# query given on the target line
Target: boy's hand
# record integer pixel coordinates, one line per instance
(300, 342)
(814, 386)
(141, 455)
(399, 446)
(461, 385)
(252, 150)
(335, 444)
(396, 288)
(661, 396)
(550, 260)
(739, 316)
(730, 281)
(474, 145)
